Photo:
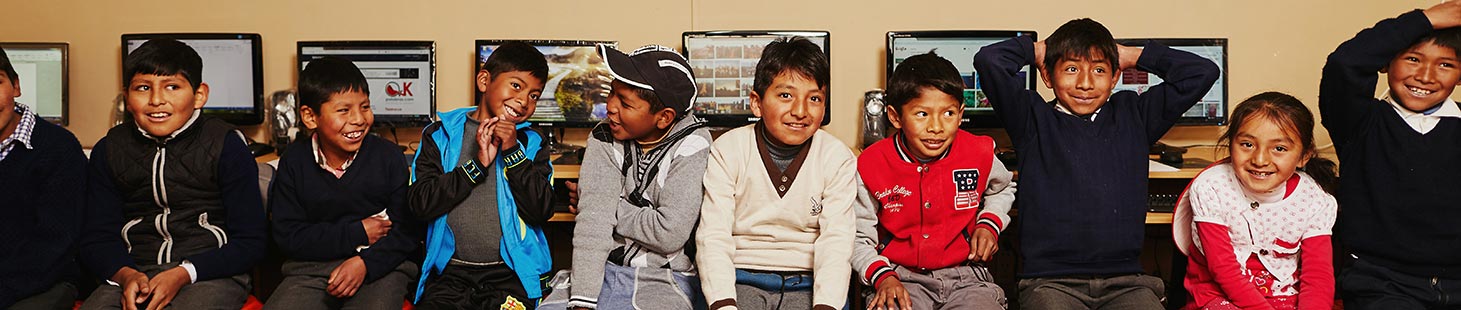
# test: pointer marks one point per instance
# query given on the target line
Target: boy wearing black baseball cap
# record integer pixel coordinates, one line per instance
(641, 191)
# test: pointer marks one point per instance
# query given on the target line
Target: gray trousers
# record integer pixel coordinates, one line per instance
(58, 297)
(958, 287)
(1111, 292)
(627, 288)
(222, 293)
(306, 286)
(753, 298)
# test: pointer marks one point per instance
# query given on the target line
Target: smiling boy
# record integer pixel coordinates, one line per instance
(338, 201)
(1083, 172)
(1400, 159)
(482, 180)
(778, 191)
(175, 216)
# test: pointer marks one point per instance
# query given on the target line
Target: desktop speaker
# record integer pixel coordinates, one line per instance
(874, 118)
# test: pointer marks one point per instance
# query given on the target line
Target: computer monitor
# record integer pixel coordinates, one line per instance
(401, 76)
(577, 91)
(1212, 109)
(233, 68)
(959, 47)
(43, 78)
(725, 69)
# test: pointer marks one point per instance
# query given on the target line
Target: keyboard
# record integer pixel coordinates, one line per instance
(1161, 202)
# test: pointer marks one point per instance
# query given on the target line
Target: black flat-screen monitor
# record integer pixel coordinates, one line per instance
(42, 71)
(233, 68)
(1212, 109)
(401, 76)
(959, 47)
(725, 69)
(577, 90)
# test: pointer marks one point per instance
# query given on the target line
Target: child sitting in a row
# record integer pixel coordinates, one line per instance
(1261, 217)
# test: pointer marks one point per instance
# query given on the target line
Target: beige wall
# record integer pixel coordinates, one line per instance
(1274, 45)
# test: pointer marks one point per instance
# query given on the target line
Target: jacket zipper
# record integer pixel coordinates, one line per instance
(159, 196)
(128, 227)
(217, 232)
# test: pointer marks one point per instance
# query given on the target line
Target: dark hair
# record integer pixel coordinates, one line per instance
(516, 56)
(326, 77)
(1448, 38)
(923, 71)
(164, 57)
(795, 54)
(7, 68)
(1291, 114)
(1075, 40)
(655, 104)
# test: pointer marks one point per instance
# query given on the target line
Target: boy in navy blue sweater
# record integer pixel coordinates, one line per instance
(339, 202)
(174, 212)
(42, 175)
(1398, 196)
(1083, 182)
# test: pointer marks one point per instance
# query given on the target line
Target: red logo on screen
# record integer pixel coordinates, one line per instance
(394, 89)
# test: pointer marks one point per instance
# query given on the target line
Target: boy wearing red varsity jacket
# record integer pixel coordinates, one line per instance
(932, 199)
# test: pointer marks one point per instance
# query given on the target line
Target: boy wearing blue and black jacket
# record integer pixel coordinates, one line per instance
(174, 212)
(42, 177)
(1398, 199)
(338, 202)
(484, 245)
(1083, 171)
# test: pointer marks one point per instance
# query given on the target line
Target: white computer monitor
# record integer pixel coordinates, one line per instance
(1212, 109)
(232, 68)
(42, 73)
(725, 70)
(401, 76)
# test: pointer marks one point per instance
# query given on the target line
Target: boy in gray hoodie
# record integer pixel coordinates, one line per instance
(641, 191)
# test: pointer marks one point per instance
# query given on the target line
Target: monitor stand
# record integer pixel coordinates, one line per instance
(569, 154)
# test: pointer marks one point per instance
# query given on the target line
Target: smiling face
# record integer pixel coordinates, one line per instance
(162, 104)
(928, 122)
(1264, 154)
(341, 123)
(511, 95)
(1082, 85)
(792, 108)
(1423, 76)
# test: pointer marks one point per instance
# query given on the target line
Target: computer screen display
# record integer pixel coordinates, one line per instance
(576, 93)
(42, 73)
(401, 76)
(1212, 109)
(725, 69)
(959, 48)
(232, 68)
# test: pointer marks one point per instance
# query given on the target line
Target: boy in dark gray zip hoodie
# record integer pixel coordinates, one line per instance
(641, 190)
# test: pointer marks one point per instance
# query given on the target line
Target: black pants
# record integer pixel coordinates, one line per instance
(1369, 286)
(474, 287)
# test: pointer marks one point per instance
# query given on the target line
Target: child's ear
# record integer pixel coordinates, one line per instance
(200, 96)
(756, 104)
(893, 117)
(308, 117)
(1385, 69)
(664, 118)
(483, 79)
(1045, 78)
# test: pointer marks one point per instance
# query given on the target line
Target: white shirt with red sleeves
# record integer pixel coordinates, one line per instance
(1272, 231)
